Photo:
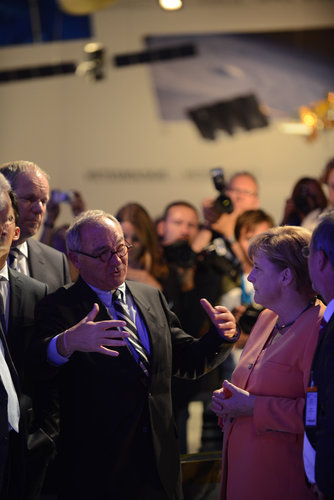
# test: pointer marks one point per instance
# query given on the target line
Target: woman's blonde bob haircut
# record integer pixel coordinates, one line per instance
(283, 246)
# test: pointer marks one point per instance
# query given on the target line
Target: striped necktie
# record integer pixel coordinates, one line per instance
(130, 327)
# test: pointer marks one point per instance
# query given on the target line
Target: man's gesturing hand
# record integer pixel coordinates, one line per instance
(87, 336)
(222, 318)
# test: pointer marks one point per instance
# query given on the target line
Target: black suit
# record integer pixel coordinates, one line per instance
(38, 410)
(48, 265)
(323, 437)
(118, 435)
(12, 469)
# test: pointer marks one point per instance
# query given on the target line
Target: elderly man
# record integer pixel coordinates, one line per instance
(29, 256)
(319, 411)
(118, 437)
(18, 297)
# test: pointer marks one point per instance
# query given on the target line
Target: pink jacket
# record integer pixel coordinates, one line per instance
(262, 454)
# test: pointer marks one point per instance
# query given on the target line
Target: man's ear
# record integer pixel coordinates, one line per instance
(16, 235)
(74, 258)
(322, 259)
(160, 228)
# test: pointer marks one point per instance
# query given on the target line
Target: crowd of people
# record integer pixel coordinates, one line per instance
(113, 323)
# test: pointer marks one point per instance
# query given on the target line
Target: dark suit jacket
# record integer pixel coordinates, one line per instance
(112, 416)
(48, 265)
(323, 440)
(25, 293)
(12, 470)
(39, 408)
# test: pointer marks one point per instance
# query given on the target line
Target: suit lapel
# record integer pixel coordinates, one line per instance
(36, 262)
(9, 361)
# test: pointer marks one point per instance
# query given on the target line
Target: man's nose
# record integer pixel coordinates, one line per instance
(38, 207)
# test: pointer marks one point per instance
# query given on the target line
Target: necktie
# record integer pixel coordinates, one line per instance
(2, 310)
(130, 327)
(13, 258)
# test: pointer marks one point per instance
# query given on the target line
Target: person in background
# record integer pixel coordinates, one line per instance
(32, 258)
(327, 179)
(262, 407)
(145, 259)
(319, 417)
(118, 436)
(307, 196)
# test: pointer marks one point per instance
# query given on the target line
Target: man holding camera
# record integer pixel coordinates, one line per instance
(29, 256)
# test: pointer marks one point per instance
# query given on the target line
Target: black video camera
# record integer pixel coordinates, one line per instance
(223, 204)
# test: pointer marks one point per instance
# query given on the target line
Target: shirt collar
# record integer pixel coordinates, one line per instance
(329, 311)
(4, 272)
(23, 249)
(106, 295)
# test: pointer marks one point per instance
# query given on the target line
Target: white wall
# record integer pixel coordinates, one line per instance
(75, 128)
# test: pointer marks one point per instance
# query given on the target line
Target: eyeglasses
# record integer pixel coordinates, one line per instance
(7, 223)
(107, 254)
(244, 192)
(306, 252)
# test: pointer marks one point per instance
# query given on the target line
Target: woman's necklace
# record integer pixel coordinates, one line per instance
(286, 325)
(278, 330)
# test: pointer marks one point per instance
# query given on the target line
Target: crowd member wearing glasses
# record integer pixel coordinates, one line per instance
(262, 408)
(118, 437)
(29, 256)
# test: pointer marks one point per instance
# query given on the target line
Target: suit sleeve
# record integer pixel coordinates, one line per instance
(192, 357)
(324, 462)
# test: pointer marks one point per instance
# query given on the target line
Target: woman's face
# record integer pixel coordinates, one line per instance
(266, 279)
(131, 236)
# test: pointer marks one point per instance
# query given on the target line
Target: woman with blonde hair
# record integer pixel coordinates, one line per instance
(262, 407)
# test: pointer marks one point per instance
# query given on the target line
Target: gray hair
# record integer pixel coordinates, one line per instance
(323, 236)
(12, 169)
(4, 188)
(93, 217)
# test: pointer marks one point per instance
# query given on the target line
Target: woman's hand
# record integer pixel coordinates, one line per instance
(232, 401)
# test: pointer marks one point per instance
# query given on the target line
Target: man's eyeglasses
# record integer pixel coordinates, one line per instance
(8, 222)
(107, 254)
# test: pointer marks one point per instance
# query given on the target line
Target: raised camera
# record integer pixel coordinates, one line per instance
(223, 204)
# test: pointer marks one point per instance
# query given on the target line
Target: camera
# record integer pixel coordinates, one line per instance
(59, 196)
(181, 254)
(223, 204)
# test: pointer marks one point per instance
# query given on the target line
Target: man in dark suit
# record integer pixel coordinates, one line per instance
(31, 257)
(118, 437)
(319, 411)
(19, 295)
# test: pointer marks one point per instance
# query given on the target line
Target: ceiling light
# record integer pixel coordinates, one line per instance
(170, 4)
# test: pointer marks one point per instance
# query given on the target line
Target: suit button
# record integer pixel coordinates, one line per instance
(250, 366)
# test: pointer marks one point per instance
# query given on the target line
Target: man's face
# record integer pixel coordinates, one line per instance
(32, 191)
(8, 230)
(181, 223)
(96, 239)
(243, 192)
